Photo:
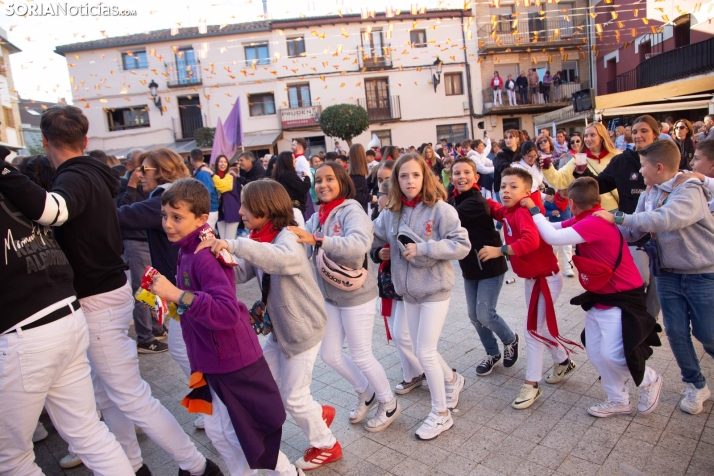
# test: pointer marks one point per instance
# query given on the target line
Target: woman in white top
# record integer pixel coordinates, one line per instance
(529, 161)
(484, 166)
(546, 147)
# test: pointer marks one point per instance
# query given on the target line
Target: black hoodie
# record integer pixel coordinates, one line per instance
(82, 210)
(501, 162)
(257, 172)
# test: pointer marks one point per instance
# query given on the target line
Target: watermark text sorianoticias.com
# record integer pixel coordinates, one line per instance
(64, 9)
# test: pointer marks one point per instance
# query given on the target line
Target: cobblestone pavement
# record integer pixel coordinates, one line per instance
(555, 436)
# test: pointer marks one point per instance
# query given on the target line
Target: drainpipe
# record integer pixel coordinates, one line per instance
(265, 9)
(591, 42)
(468, 77)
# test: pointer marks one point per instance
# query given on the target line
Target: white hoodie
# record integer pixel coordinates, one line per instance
(484, 165)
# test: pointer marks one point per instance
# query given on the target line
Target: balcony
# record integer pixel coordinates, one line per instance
(182, 74)
(553, 32)
(374, 59)
(185, 126)
(300, 117)
(382, 108)
(559, 97)
(679, 63)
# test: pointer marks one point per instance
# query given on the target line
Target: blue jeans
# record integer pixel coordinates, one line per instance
(481, 299)
(687, 300)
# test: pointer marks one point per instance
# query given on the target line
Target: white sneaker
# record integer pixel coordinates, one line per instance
(649, 396)
(386, 414)
(558, 372)
(198, 423)
(434, 425)
(405, 387)
(70, 461)
(453, 390)
(40, 433)
(569, 273)
(365, 402)
(527, 396)
(606, 409)
(694, 398)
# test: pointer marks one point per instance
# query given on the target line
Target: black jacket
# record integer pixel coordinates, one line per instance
(476, 217)
(522, 82)
(36, 273)
(297, 189)
(87, 229)
(140, 214)
(501, 162)
(639, 329)
(621, 174)
(136, 235)
(255, 173)
(686, 151)
(363, 194)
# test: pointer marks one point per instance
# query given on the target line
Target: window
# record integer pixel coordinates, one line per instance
(511, 123)
(504, 16)
(134, 60)
(299, 95)
(257, 53)
(454, 84)
(570, 71)
(385, 137)
(418, 38)
(9, 117)
(315, 145)
(132, 117)
(261, 104)
(372, 43)
(296, 46)
(682, 36)
(454, 133)
(187, 67)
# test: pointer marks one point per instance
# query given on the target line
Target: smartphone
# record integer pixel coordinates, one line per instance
(485, 133)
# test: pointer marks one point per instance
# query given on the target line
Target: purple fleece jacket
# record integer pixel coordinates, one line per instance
(219, 337)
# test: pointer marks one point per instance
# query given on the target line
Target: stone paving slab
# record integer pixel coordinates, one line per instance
(555, 436)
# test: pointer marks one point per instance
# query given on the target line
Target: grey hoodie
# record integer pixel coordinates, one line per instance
(683, 224)
(295, 305)
(348, 236)
(444, 239)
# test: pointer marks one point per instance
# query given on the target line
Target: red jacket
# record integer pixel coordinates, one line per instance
(500, 84)
(533, 257)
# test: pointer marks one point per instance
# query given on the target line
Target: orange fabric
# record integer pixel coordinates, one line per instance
(196, 380)
(197, 406)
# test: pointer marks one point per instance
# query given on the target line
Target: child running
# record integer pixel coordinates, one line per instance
(222, 347)
(341, 236)
(482, 281)
(424, 235)
(532, 259)
(618, 329)
(294, 305)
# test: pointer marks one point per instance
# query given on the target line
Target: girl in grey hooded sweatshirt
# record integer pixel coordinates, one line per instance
(424, 235)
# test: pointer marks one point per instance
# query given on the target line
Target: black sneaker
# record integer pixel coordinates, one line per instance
(405, 387)
(162, 335)
(487, 364)
(143, 471)
(212, 469)
(153, 347)
(510, 353)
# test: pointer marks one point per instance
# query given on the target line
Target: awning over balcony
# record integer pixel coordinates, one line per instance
(260, 140)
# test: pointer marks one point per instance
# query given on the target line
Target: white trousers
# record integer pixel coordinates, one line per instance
(535, 348)
(566, 251)
(294, 376)
(227, 231)
(218, 426)
(497, 98)
(212, 219)
(48, 366)
(425, 323)
(511, 97)
(603, 344)
(399, 330)
(123, 397)
(361, 370)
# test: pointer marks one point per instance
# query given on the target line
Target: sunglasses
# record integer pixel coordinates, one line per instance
(681, 127)
(144, 168)
(575, 142)
(541, 142)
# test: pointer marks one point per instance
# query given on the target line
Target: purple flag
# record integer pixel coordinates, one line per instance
(221, 144)
(233, 128)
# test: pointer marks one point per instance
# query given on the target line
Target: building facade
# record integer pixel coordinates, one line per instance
(283, 72)
(10, 134)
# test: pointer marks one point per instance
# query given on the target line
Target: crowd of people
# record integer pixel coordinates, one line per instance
(331, 239)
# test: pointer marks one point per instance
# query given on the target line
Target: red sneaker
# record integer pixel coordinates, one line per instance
(316, 457)
(328, 415)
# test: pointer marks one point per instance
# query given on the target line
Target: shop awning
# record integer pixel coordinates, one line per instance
(178, 147)
(656, 107)
(260, 140)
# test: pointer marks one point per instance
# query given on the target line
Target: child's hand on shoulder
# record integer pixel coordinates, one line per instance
(605, 215)
(410, 251)
(163, 288)
(489, 252)
(303, 236)
(527, 203)
(216, 246)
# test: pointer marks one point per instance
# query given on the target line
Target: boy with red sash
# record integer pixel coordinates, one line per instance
(533, 260)
(618, 332)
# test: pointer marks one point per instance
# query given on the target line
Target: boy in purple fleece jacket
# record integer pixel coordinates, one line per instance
(221, 344)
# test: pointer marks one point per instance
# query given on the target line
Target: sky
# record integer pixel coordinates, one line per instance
(42, 75)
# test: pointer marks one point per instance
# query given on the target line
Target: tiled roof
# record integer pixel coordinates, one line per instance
(159, 36)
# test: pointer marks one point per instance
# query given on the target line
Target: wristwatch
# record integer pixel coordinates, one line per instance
(185, 301)
(319, 238)
(619, 217)
(534, 211)
(504, 250)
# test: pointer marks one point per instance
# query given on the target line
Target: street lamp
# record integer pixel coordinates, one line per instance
(153, 90)
(436, 78)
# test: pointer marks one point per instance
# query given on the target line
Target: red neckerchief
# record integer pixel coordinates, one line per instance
(603, 153)
(221, 173)
(560, 202)
(586, 213)
(411, 203)
(475, 185)
(573, 152)
(266, 234)
(324, 210)
(386, 302)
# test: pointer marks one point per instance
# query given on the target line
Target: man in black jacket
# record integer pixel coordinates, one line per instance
(43, 344)
(82, 210)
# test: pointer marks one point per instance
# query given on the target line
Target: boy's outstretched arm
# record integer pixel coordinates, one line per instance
(553, 233)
